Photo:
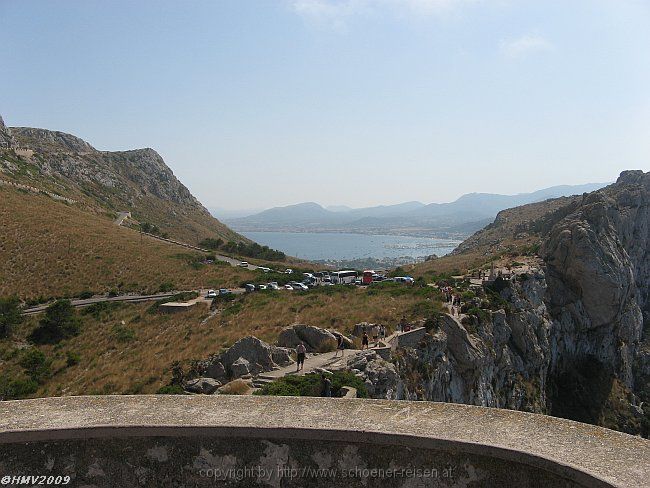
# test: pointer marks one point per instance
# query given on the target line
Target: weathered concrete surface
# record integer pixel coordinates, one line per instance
(174, 440)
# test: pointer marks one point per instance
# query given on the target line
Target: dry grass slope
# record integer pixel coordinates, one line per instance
(129, 349)
(51, 249)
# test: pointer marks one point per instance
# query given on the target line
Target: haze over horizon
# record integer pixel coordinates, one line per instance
(351, 102)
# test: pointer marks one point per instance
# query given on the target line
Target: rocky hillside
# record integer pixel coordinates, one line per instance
(105, 182)
(571, 339)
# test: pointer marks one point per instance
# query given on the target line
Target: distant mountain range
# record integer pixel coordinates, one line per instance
(464, 216)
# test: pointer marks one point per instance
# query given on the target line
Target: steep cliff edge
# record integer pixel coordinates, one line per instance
(597, 261)
(571, 339)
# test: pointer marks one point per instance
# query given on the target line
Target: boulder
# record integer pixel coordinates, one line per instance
(241, 367)
(215, 370)
(281, 355)
(320, 340)
(289, 338)
(359, 328)
(347, 342)
(235, 387)
(205, 386)
(314, 338)
(258, 353)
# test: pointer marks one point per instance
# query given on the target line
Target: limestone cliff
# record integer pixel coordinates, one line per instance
(571, 339)
(137, 181)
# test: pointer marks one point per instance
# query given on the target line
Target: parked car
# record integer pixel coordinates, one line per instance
(243, 264)
(299, 286)
(211, 294)
(266, 270)
(224, 291)
(249, 287)
(274, 286)
(288, 287)
(261, 287)
(288, 271)
(404, 279)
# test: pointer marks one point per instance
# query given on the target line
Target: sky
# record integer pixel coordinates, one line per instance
(255, 104)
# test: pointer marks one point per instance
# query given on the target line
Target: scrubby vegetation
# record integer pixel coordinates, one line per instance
(60, 322)
(312, 385)
(248, 249)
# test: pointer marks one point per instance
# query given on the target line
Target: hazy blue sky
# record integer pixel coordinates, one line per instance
(357, 102)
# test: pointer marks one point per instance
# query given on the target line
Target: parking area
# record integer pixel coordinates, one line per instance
(291, 280)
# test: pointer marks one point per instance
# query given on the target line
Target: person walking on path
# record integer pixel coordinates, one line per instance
(375, 334)
(327, 385)
(402, 324)
(340, 345)
(364, 341)
(300, 356)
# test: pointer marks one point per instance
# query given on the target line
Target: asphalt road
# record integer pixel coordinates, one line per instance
(91, 301)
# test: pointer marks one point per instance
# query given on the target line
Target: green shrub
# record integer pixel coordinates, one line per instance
(60, 322)
(252, 249)
(10, 316)
(16, 388)
(72, 358)
(123, 333)
(84, 295)
(171, 390)
(166, 287)
(35, 364)
(311, 385)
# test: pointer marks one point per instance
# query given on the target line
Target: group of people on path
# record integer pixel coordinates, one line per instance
(452, 299)
(378, 333)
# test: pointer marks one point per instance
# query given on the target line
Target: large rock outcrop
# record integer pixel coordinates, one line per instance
(572, 339)
(248, 355)
(314, 338)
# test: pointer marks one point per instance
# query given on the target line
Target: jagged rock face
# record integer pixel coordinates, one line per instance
(501, 363)
(74, 158)
(43, 139)
(598, 262)
(574, 341)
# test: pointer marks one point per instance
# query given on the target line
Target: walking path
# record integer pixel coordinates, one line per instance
(326, 360)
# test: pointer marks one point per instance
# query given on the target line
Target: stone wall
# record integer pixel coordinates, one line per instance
(274, 441)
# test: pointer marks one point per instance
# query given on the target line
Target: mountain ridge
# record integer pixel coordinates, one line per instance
(465, 215)
(108, 182)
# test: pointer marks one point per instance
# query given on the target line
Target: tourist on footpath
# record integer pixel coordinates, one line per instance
(382, 332)
(364, 341)
(340, 345)
(327, 385)
(402, 324)
(300, 356)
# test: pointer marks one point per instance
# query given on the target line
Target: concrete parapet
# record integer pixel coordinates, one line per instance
(296, 441)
